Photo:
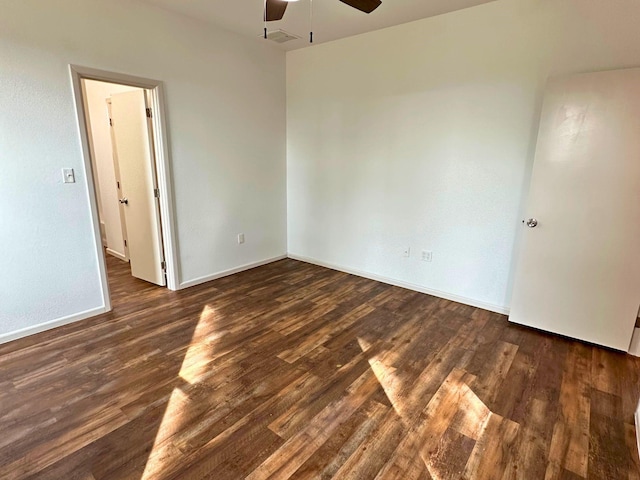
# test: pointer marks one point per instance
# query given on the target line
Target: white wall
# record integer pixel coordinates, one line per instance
(422, 135)
(104, 169)
(226, 123)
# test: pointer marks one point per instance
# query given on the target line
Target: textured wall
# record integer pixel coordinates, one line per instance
(226, 123)
(422, 136)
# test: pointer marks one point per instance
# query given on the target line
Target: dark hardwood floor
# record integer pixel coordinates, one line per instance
(295, 371)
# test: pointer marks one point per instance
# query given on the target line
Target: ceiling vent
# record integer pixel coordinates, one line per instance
(280, 36)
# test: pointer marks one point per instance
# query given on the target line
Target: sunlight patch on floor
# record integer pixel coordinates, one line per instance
(196, 361)
(170, 425)
(196, 365)
(453, 408)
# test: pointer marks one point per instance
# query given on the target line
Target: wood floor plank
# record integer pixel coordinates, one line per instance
(295, 419)
(490, 456)
(328, 459)
(632, 447)
(570, 442)
(406, 463)
(494, 370)
(374, 451)
(291, 370)
(297, 450)
(608, 454)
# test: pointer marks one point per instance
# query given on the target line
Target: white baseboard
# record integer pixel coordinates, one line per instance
(58, 322)
(231, 271)
(116, 254)
(410, 286)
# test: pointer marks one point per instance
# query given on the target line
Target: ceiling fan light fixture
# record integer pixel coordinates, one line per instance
(274, 10)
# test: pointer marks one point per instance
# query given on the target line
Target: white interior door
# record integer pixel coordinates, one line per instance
(116, 170)
(133, 146)
(579, 268)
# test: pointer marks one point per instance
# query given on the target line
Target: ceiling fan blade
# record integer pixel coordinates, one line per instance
(275, 10)
(366, 6)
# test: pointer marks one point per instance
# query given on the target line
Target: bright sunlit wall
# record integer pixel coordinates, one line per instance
(423, 135)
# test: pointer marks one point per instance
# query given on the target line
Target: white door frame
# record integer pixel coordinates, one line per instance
(163, 167)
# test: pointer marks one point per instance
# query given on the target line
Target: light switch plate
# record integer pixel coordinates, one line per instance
(68, 175)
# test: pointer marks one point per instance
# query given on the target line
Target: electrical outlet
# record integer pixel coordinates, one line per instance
(406, 252)
(240, 238)
(68, 175)
(426, 256)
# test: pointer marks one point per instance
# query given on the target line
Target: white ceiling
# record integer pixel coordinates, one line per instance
(332, 19)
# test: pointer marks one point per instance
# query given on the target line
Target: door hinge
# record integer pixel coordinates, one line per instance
(156, 192)
(110, 122)
(118, 185)
(125, 243)
(163, 265)
(148, 110)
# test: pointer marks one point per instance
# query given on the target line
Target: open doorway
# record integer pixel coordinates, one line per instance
(125, 149)
(124, 175)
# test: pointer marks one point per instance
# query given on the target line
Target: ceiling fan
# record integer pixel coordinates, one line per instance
(275, 8)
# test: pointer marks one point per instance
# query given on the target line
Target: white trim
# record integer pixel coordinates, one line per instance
(163, 168)
(231, 271)
(116, 254)
(103, 228)
(634, 346)
(165, 182)
(76, 82)
(58, 322)
(637, 421)
(400, 283)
